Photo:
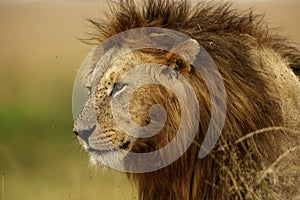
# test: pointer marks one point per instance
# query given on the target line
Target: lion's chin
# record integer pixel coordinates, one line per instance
(114, 160)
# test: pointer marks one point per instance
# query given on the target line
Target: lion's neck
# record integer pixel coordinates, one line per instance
(175, 181)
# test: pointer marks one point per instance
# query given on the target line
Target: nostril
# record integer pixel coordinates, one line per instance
(75, 131)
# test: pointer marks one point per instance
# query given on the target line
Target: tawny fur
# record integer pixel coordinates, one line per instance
(261, 76)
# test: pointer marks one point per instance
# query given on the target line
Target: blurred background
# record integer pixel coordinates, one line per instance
(40, 158)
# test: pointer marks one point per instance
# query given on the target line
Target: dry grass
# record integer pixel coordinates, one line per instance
(246, 178)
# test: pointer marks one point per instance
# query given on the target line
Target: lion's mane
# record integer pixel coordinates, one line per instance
(257, 135)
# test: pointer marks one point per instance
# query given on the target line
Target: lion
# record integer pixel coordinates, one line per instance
(257, 153)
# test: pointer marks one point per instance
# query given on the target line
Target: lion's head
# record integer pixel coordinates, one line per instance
(140, 102)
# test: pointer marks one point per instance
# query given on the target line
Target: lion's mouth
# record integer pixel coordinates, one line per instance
(125, 145)
(122, 147)
(94, 147)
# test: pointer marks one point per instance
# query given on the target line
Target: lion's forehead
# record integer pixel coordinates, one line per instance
(118, 67)
(114, 72)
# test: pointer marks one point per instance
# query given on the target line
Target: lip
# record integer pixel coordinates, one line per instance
(92, 150)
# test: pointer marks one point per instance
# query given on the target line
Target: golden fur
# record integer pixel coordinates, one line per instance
(257, 155)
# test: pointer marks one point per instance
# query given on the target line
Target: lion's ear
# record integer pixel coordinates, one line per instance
(188, 50)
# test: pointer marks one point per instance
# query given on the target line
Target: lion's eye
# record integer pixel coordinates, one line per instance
(117, 88)
(179, 64)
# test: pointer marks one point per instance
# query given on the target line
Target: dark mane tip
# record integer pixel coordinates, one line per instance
(184, 16)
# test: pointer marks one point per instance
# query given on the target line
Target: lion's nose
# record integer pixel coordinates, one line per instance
(84, 134)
